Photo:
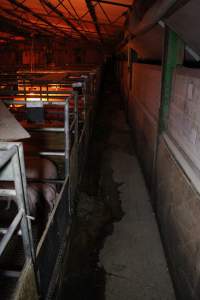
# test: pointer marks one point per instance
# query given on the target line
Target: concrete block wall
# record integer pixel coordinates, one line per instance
(178, 211)
(143, 108)
(177, 166)
(184, 116)
(178, 184)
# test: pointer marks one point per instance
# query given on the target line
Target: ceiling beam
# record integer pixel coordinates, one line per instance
(60, 14)
(113, 3)
(94, 18)
(87, 21)
(39, 29)
(37, 16)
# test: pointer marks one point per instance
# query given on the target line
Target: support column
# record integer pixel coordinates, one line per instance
(173, 55)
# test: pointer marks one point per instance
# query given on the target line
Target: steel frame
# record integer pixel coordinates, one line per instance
(37, 16)
(94, 18)
(48, 258)
(61, 15)
(12, 169)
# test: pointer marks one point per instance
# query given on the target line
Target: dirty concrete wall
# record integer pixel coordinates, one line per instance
(177, 189)
(143, 100)
(178, 210)
(178, 183)
(184, 116)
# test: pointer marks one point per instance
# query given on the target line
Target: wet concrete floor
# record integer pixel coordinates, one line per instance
(116, 251)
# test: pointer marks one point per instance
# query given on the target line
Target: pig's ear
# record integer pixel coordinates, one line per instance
(10, 128)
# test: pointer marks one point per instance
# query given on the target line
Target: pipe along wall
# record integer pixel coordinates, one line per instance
(170, 160)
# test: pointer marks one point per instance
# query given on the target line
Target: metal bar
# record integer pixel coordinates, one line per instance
(60, 14)
(7, 193)
(60, 103)
(76, 113)
(37, 16)
(13, 226)
(23, 203)
(10, 273)
(72, 124)
(119, 17)
(35, 93)
(105, 13)
(113, 3)
(151, 17)
(6, 155)
(77, 15)
(4, 230)
(43, 180)
(13, 14)
(51, 153)
(94, 18)
(50, 129)
(67, 139)
(178, 4)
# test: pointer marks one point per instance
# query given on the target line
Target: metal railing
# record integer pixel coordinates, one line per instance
(12, 169)
(76, 129)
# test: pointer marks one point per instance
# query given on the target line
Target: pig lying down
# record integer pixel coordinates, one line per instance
(39, 168)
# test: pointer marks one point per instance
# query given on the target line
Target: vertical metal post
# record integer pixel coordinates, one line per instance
(67, 137)
(76, 116)
(22, 202)
(173, 55)
(47, 91)
(67, 150)
(85, 100)
(132, 58)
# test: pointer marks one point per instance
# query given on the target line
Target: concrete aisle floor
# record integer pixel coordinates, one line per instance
(132, 256)
(116, 251)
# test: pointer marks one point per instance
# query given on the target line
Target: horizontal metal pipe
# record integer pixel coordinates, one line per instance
(50, 129)
(4, 230)
(151, 17)
(7, 193)
(7, 237)
(10, 273)
(52, 153)
(61, 103)
(43, 180)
